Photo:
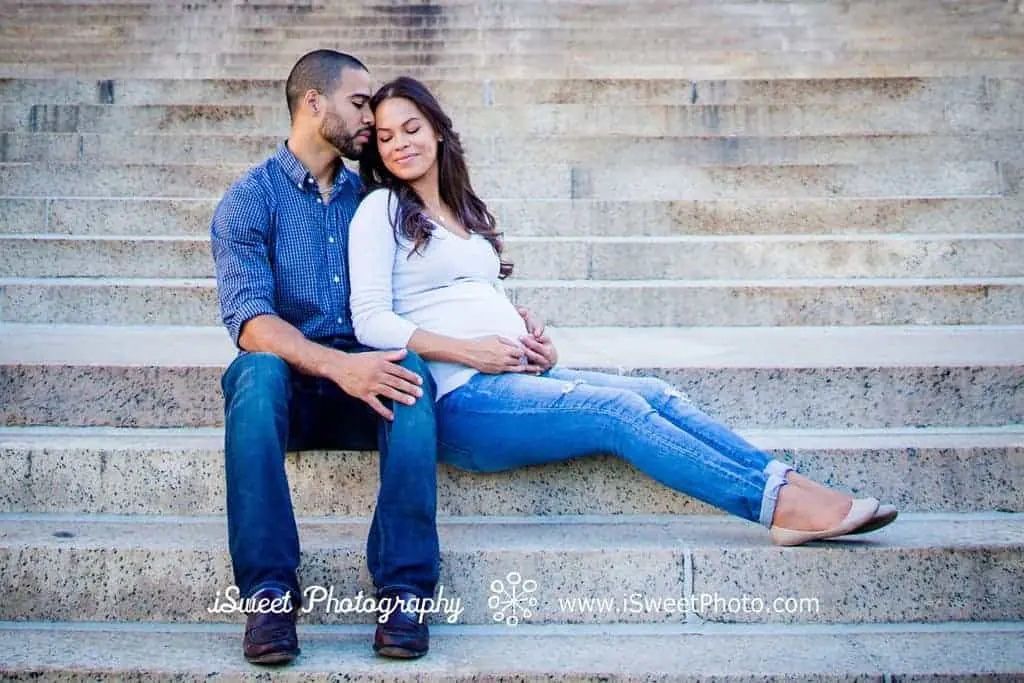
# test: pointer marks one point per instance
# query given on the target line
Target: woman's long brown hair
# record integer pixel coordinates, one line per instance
(453, 176)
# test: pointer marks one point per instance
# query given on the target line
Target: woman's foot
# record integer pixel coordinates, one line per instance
(804, 505)
(885, 515)
(861, 512)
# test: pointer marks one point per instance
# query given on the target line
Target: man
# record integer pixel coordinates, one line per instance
(302, 382)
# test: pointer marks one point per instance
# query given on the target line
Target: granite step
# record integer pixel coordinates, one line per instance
(485, 52)
(180, 471)
(554, 181)
(545, 90)
(554, 120)
(967, 567)
(634, 303)
(711, 150)
(820, 378)
(656, 41)
(572, 218)
(572, 258)
(734, 68)
(212, 64)
(45, 651)
(511, 15)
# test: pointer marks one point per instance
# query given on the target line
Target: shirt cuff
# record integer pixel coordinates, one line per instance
(246, 312)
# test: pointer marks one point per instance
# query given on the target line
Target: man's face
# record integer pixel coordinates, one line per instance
(347, 122)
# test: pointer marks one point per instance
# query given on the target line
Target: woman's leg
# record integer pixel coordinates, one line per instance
(808, 505)
(501, 422)
(675, 407)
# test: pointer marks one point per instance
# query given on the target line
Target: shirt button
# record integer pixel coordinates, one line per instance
(340, 320)
(331, 240)
(319, 201)
(337, 279)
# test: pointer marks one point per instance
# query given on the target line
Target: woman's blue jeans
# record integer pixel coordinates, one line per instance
(501, 422)
(271, 409)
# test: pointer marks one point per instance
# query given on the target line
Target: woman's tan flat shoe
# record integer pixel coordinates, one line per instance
(884, 515)
(861, 512)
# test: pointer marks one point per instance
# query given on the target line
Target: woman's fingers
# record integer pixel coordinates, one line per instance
(543, 349)
(535, 357)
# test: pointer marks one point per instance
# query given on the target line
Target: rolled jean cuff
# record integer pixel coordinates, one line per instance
(777, 467)
(776, 471)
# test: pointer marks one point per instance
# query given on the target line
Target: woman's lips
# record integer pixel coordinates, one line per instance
(406, 159)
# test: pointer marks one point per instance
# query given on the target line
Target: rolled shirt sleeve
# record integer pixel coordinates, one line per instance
(239, 240)
(371, 258)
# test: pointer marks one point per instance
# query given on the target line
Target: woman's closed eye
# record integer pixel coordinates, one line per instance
(387, 138)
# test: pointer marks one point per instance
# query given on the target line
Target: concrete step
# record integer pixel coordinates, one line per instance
(181, 63)
(656, 41)
(583, 258)
(733, 68)
(46, 651)
(555, 120)
(544, 90)
(577, 217)
(695, 151)
(634, 303)
(967, 567)
(508, 15)
(820, 378)
(485, 53)
(552, 181)
(180, 472)
(512, 15)
(205, 31)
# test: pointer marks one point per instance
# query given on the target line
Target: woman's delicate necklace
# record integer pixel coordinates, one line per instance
(437, 217)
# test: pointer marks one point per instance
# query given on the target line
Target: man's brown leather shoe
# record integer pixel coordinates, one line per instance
(270, 637)
(403, 635)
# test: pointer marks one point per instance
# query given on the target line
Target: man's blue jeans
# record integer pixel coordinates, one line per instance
(271, 409)
(501, 422)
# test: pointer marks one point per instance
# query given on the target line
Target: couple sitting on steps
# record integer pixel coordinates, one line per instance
(318, 268)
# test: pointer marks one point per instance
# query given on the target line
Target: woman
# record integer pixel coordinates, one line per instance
(425, 268)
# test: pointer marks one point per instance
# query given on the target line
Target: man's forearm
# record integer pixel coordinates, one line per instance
(272, 334)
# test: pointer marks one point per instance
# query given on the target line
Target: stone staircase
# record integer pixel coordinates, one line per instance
(807, 215)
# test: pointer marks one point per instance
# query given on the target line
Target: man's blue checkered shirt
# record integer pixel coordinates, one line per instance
(278, 249)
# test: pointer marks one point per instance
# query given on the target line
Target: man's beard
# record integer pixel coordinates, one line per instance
(334, 131)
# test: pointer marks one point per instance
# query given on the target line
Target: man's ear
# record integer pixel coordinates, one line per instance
(313, 98)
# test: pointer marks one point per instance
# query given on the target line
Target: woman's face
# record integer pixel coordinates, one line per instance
(405, 139)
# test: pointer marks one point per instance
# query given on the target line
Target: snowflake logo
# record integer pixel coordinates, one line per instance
(511, 598)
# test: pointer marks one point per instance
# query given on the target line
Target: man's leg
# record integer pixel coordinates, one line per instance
(260, 409)
(402, 548)
(262, 535)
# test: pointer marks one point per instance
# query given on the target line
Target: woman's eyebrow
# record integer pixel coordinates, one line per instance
(406, 122)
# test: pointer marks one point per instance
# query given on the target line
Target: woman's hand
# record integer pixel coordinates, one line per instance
(540, 352)
(494, 355)
(534, 325)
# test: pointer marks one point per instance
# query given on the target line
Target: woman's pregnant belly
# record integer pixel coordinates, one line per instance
(464, 310)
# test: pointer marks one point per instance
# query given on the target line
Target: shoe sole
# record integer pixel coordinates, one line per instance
(274, 657)
(876, 523)
(399, 652)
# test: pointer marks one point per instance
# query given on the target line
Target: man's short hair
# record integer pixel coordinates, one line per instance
(317, 70)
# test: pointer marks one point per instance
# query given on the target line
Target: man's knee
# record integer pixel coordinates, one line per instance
(256, 372)
(415, 363)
